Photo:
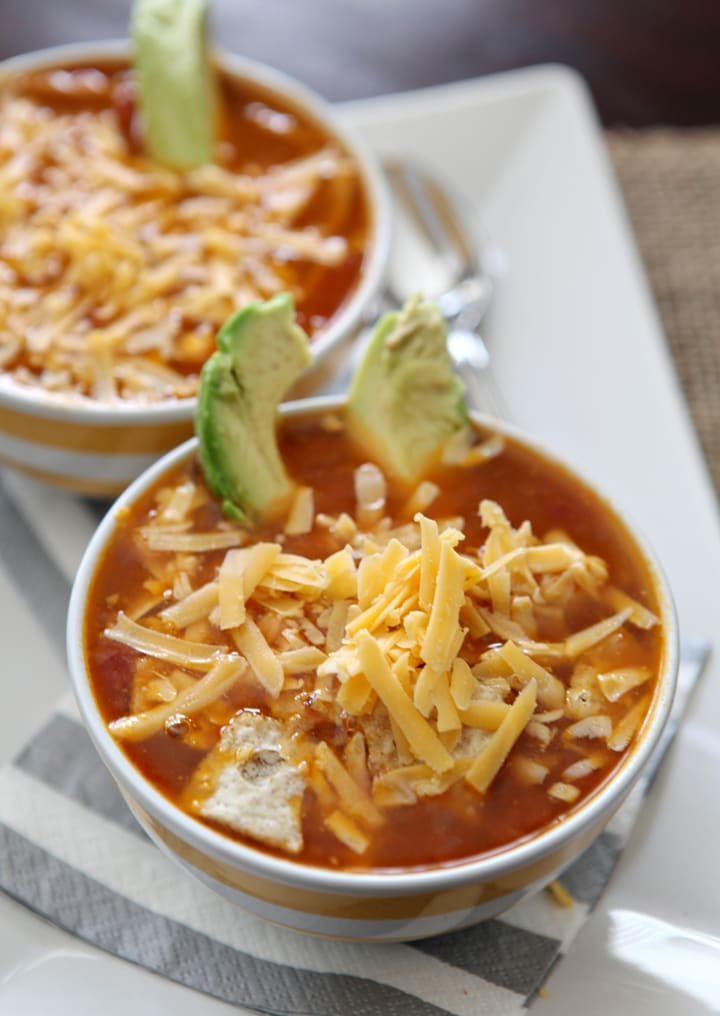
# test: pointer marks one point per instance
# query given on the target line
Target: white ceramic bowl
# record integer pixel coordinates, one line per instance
(379, 906)
(98, 449)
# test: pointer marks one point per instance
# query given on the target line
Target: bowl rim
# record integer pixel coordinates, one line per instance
(381, 882)
(350, 313)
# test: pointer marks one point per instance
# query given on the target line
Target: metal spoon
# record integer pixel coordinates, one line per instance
(432, 253)
(437, 212)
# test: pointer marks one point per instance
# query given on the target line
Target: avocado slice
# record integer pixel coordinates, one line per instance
(405, 402)
(176, 84)
(261, 353)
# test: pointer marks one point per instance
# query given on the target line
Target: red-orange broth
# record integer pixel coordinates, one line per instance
(461, 823)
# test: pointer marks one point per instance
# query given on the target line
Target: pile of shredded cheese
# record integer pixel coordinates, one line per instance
(116, 273)
(381, 637)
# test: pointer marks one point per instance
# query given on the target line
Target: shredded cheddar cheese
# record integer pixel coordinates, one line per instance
(430, 656)
(488, 762)
(197, 696)
(116, 272)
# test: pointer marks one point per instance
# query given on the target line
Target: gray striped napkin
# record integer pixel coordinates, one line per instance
(71, 851)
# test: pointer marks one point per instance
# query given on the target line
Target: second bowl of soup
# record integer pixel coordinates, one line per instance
(116, 271)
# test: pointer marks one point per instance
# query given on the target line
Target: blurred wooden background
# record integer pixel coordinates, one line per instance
(646, 61)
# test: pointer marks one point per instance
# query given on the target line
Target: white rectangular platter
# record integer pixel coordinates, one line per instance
(580, 357)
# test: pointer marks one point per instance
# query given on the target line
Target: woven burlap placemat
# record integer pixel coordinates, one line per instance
(670, 180)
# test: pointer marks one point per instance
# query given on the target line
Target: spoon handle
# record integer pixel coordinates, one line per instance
(439, 218)
(431, 208)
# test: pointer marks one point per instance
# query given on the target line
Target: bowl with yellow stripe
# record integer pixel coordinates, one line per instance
(373, 904)
(113, 285)
(90, 449)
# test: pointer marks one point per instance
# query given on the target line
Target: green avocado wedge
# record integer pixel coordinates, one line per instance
(261, 352)
(405, 402)
(176, 82)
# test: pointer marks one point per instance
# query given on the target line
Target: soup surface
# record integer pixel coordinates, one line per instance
(116, 272)
(388, 678)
